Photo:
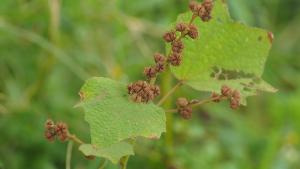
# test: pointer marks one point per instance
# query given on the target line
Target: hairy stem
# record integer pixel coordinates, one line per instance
(211, 99)
(198, 103)
(69, 155)
(74, 138)
(169, 93)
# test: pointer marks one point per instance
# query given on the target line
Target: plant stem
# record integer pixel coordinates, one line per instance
(201, 102)
(171, 111)
(124, 161)
(103, 164)
(198, 103)
(169, 93)
(69, 155)
(74, 138)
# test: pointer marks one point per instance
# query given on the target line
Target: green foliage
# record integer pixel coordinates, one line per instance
(96, 39)
(113, 117)
(226, 52)
(114, 153)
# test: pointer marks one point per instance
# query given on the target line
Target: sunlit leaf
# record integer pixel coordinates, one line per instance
(227, 52)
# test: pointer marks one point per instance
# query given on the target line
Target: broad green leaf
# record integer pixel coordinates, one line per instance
(113, 117)
(227, 52)
(114, 153)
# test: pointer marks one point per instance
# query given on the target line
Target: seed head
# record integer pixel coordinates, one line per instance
(186, 112)
(193, 32)
(50, 130)
(155, 89)
(143, 92)
(53, 131)
(208, 5)
(150, 72)
(235, 99)
(226, 91)
(236, 95)
(234, 103)
(169, 36)
(182, 102)
(62, 131)
(175, 59)
(181, 27)
(192, 5)
(159, 58)
(160, 67)
(216, 97)
(177, 46)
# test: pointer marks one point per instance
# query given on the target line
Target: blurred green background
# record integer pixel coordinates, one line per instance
(49, 47)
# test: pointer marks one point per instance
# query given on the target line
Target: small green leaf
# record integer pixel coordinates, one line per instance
(113, 117)
(114, 153)
(226, 53)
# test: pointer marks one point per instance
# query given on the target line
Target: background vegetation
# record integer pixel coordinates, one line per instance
(48, 48)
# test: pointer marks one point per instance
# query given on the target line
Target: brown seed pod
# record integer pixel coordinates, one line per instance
(50, 130)
(177, 46)
(159, 58)
(206, 18)
(143, 92)
(234, 103)
(181, 27)
(160, 67)
(193, 32)
(186, 112)
(175, 59)
(49, 124)
(62, 131)
(150, 72)
(156, 90)
(226, 91)
(216, 97)
(200, 10)
(182, 102)
(208, 5)
(169, 36)
(192, 5)
(236, 95)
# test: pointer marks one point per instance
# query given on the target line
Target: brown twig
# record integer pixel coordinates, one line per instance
(170, 93)
(74, 138)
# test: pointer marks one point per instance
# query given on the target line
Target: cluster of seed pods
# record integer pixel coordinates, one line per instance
(145, 91)
(54, 131)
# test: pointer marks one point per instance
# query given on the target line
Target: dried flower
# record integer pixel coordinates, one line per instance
(175, 59)
(142, 92)
(62, 131)
(53, 130)
(216, 97)
(226, 91)
(181, 27)
(169, 36)
(186, 112)
(50, 130)
(177, 46)
(182, 102)
(192, 5)
(150, 72)
(159, 58)
(160, 67)
(193, 31)
(234, 103)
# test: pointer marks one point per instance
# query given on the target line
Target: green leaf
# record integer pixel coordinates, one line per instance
(114, 153)
(226, 53)
(113, 117)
